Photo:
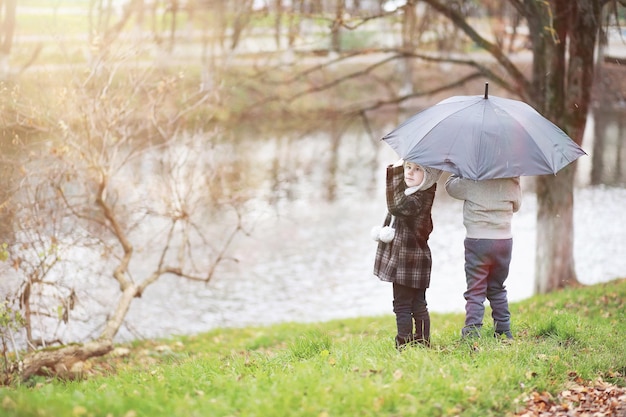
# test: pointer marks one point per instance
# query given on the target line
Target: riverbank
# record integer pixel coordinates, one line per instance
(561, 362)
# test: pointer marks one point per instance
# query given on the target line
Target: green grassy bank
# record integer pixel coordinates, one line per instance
(350, 367)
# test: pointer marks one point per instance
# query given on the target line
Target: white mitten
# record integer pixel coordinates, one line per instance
(387, 234)
(375, 233)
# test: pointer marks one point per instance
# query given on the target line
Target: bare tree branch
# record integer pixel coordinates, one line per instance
(522, 85)
(400, 99)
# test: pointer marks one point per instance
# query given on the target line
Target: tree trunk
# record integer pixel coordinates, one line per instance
(567, 98)
(8, 25)
(409, 32)
(278, 23)
(123, 305)
(554, 259)
(7, 31)
(335, 30)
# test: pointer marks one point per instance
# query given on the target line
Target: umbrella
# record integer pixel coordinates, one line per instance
(484, 137)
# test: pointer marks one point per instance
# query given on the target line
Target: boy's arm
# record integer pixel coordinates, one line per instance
(456, 188)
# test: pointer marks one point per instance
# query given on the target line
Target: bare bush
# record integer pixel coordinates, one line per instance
(117, 196)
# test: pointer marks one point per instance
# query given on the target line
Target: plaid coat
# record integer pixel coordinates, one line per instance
(406, 260)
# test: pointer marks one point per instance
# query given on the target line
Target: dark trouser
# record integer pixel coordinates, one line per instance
(486, 268)
(409, 304)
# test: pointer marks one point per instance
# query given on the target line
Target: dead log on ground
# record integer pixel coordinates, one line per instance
(63, 361)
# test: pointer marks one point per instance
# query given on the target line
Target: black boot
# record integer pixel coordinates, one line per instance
(422, 332)
(404, 323)
(403, 341)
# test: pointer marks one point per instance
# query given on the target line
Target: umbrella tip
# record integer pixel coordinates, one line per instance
(486, 90)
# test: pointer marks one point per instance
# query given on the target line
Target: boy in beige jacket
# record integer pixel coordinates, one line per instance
(487, 213)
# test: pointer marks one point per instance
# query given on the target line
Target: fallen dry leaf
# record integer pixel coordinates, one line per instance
(595, 398)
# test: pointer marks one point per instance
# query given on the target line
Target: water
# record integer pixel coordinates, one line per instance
(308, 259)
(314, 264)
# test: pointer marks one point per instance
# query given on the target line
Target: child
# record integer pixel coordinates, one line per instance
(406, 260)
(487, 212)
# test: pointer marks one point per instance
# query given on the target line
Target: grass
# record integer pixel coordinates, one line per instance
(350, 367)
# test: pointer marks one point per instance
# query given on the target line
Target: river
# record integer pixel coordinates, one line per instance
(310, 259)
(313, 262)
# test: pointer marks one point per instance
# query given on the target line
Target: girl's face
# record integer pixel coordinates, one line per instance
(413, 174)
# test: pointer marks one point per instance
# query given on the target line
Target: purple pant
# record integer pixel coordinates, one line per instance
(486, 268)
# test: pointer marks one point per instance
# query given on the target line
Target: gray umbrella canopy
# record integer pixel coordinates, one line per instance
(484, 137)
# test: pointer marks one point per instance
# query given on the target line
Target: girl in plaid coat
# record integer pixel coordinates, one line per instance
(405, 260)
